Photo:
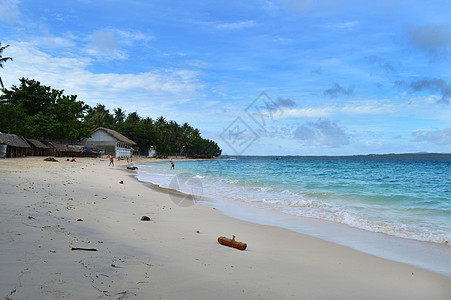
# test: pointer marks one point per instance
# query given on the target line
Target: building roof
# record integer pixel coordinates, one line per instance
(66, 148)
(58, 147)
(116, 135)
(13, 140)
(36, 143)
(75, 148)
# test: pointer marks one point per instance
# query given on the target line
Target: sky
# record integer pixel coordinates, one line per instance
(260, 77)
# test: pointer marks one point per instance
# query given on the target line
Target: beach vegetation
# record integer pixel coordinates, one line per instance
(99, 116)
(168, 137)
(41, 112)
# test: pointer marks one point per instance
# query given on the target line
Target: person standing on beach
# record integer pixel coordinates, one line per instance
(172, 164)
(111, 160)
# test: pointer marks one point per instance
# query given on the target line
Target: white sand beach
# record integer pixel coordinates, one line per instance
(53, 215)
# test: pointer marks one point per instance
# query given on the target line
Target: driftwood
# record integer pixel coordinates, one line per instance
(232, 243)
(84, 249)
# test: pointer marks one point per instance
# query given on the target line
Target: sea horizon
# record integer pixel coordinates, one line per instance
(425, 155)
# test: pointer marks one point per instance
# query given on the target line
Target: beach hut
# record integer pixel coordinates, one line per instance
(75, 150)
(57, 149)
(62, 150)
(12, 145)
(37, 148)
(108, 141)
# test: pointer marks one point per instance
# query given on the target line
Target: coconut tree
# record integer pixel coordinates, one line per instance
(187, 132)
(2, 61)
(119, 115)
(133, 118)
(99, 116)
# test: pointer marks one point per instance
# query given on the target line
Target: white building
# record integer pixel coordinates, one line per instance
(108, 141)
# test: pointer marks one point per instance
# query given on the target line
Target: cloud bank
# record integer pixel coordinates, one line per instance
(437, 137)
(323, 133)
(434, 85)
(432, 38)
(338, 90)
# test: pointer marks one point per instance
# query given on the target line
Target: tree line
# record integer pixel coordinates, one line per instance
(41, 112)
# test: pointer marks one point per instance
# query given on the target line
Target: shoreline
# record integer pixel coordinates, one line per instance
(175, 255)
(422, 254)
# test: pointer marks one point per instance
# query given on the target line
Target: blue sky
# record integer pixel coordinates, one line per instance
(274, 77)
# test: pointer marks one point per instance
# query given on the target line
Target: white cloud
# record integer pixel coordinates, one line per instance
(9, 11)
(369, 107)
(105, 45)
(229, 26)
(55, 41)
(236, 25)
(129, 37)
(307, 112)
(153, 89)
(342, 25)
(270, 6)
(109, 44)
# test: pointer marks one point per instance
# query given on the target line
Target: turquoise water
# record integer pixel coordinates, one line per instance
(408, 198)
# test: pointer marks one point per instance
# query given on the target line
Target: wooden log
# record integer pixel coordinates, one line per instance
(232, 243)
(84, 249)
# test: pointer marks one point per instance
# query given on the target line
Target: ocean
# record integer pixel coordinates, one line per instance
(403, 198)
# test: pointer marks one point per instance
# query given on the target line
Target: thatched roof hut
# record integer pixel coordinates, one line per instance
(37, 144)
(12, 145)
(37, 148)
(67, 150)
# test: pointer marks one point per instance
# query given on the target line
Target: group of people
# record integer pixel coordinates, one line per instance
(111, 157)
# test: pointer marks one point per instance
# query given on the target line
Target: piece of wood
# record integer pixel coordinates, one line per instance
(232, 243)
(84, 249)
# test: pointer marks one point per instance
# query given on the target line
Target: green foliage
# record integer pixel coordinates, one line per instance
(167, 137)
(42, 112)
(14, 120)
(203, 148)
(36, 111)
(99, 116)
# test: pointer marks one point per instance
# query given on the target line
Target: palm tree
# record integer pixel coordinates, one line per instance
(99, 116)
(133, 118)
(186, 137)
(119, 115)
(2, 61)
